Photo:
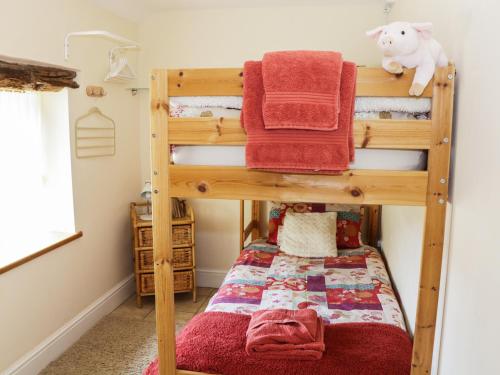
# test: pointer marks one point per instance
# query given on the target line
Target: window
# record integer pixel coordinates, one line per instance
(35, 165)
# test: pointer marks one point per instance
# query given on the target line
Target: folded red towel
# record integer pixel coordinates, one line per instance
(285, 334)
(301, 151)
(302, 89)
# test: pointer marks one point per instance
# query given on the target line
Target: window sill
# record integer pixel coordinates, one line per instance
(37, 247)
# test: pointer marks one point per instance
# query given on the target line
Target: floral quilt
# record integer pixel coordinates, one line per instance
(352, 287)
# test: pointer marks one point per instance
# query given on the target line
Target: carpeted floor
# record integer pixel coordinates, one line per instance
(124, 342)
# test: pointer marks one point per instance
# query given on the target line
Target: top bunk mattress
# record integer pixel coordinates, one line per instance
(397, 160)
(353, 287)
(365, 108)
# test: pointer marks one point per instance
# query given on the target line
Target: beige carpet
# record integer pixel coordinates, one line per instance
(124, 342)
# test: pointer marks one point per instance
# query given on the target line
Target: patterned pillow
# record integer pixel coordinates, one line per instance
(350, 215)
(349, 230)
(310, 234)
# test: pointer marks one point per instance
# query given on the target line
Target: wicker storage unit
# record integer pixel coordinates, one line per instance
(183, 254)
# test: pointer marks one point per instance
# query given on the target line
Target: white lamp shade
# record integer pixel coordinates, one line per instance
(146, 191)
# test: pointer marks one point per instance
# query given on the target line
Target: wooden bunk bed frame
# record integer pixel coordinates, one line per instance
(368, 187)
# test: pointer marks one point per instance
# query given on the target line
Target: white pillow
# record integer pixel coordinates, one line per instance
(310, 234)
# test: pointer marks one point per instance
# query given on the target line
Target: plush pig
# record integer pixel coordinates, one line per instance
(410, 45)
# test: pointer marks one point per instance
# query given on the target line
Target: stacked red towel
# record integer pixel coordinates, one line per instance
(291, 149)
(302, 89)
(285, 334)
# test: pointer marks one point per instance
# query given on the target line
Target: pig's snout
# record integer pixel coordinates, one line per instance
(386, 41)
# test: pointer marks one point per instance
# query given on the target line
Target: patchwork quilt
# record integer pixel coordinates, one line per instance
(353, 287)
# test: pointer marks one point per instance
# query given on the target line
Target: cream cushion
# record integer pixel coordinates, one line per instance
(310, 234)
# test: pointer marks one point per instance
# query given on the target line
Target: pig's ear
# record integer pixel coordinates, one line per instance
(375, 33)
(424, 29)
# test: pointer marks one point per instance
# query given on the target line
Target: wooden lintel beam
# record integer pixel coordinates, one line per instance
(17, 76)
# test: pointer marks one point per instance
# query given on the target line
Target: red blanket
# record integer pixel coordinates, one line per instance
(285, 334)
(214, 342)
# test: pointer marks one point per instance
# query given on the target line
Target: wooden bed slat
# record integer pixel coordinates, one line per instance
(355, 186)
(229, 81)
(437, 196)
(386, 134)
(210, 82)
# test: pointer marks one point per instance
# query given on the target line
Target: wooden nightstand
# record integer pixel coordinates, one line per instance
(183, 243)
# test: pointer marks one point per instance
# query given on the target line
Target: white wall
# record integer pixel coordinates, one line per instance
(227, 38)
(40, 296)
(470, 328)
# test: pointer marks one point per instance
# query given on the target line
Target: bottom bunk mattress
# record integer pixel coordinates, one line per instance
(351, 288)
(365, 332)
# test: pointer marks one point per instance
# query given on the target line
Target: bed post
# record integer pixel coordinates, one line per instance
(437, 196)
(255, 220)
(164, 293)
(373, 224)
(242, 225)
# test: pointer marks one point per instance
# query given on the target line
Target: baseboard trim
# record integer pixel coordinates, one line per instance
(210, 278)
(54, 345)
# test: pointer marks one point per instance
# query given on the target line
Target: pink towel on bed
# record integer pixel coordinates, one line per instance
(296, 150)
(285, 334)
(302, 89)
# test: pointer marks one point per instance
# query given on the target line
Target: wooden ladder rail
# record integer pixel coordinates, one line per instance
(437, 197)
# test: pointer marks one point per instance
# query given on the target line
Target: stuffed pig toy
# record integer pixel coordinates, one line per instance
(410, 45)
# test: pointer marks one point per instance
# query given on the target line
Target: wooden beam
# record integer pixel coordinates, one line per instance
(162, 225)
(249, 229)
(354, 186)
(373, 224)
(256, 220)
(19, 76)
(379, 134)
(229, 81)
(378, 82)
(242, 225)
(437, 196)
(211, 81)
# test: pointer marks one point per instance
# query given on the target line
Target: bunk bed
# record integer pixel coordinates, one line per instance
(373, 187)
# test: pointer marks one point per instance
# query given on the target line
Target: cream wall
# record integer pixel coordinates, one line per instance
(42, 295)
(470, 323)
(226, 38)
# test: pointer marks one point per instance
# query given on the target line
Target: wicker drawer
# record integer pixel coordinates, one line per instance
(145, 237)
(147, 283)
(183, 280)
(146, 260)
(183, 257)
(181, 235)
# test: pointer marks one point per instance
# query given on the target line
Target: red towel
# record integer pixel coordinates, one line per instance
(285, 334)
(302, 89)
(299, 151)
